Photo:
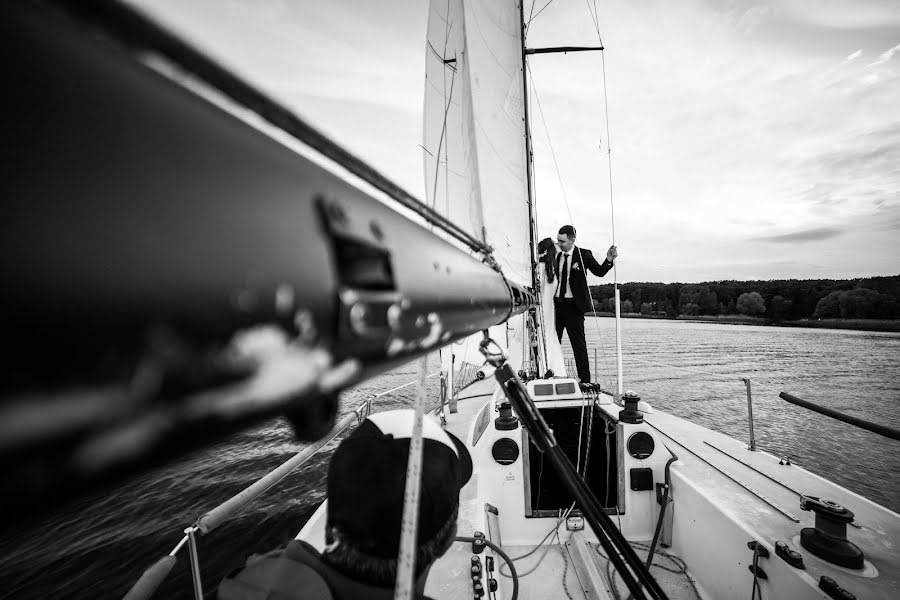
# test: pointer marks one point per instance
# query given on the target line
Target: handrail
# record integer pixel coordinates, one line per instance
(152, 578)
(884, 430)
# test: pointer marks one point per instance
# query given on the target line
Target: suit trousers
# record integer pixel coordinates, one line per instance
(571, 319)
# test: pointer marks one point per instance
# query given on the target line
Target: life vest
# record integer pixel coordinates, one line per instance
(296, 573)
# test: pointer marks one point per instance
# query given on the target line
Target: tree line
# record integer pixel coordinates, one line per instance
(775, 300)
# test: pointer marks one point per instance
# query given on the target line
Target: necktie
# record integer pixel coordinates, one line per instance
(564, 276)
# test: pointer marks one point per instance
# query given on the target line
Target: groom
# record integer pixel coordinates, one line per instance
(572, 298)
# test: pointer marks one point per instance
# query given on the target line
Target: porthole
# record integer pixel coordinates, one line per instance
(641, 445)
(505, 451)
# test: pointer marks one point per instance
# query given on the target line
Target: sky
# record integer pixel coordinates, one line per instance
(747, 140)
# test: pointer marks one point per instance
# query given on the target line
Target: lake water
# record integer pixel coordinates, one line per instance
(695, 371)
(99, 546)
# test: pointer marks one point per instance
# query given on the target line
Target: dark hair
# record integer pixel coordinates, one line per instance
(568, 230)
(547, 255)
(347, 558)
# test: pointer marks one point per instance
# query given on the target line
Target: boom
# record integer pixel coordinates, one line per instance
(175, 273)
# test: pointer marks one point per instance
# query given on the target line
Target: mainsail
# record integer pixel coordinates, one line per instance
(474, 126)
(474, 142)
(475, 151)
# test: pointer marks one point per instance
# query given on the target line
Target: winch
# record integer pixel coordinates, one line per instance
(828, 539)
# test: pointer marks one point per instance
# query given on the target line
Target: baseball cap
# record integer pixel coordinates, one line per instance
(367, 477)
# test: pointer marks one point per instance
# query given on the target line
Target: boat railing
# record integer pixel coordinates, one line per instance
(153, 577)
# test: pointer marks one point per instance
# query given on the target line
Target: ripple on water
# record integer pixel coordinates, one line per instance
(98, 546)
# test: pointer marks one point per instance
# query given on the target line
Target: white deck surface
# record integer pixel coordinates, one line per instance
(713, 517)
(878, 536)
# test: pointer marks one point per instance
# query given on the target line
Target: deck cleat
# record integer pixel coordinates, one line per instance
(828, 539)
(831, 587)
(791, 557)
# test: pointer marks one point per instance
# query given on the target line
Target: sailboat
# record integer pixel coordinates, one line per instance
(594, 492)
(710, 517)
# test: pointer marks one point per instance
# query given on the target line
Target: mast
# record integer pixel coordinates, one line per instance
(541, 368)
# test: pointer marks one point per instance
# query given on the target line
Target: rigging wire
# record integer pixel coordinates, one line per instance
(530, 18)
(595, 18)
(540, 295)
(568, 210)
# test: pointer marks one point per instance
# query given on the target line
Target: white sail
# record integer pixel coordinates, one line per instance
(474, 126)
(474, 145)
(451, 174)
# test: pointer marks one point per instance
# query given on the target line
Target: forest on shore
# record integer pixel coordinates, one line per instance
(773, 301)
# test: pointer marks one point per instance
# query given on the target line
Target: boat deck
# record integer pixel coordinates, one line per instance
(763, 498)
(723, 496)
(574, 569)
(450, 576)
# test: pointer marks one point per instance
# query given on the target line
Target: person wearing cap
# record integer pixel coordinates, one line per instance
(365, 487)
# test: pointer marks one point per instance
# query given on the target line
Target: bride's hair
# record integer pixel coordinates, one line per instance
(547, 255)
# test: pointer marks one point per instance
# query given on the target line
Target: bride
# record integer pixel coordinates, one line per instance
(547, 273)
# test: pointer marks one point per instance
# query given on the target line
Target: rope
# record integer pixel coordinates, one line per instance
(405, 582)
(755, 589)
(580, 431)
(679, 568)
(554, 529)
(587, 452)
(565, 572)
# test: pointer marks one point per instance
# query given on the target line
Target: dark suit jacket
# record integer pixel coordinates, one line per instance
(584, 258)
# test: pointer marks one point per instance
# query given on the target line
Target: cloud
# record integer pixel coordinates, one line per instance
(885, 56)
(809, 235)
(770, 123)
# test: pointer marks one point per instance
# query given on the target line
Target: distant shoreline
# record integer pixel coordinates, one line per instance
(889, 325)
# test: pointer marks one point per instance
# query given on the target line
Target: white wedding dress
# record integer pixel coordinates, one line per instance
(555, 360)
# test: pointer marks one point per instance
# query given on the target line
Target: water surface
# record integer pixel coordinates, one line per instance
(98, 546)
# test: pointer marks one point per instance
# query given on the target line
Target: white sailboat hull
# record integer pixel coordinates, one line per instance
(721, 494)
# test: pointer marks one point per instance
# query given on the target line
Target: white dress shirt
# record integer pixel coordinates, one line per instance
(567, 293)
